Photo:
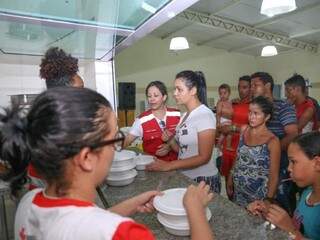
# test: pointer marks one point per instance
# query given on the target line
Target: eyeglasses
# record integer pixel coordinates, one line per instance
(118, 142)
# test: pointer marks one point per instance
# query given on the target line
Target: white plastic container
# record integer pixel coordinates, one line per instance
(171, 212)
(143, 160)
(122, 179)
(123, 159)
(180, 220)
(130, 165)
(173, 229)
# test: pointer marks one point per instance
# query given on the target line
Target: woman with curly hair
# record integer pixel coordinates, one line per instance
(60, 69)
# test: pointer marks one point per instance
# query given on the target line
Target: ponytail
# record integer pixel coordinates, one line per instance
(13, 148)
(195, 79)
(202, 88)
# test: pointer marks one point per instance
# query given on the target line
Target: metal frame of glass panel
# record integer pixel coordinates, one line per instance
(88, 30)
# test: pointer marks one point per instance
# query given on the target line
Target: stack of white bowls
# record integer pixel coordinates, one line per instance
(171, 212)
(142, 161)
(122, 171)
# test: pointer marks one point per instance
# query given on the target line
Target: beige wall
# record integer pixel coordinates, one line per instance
(283, 66)
(149, 59)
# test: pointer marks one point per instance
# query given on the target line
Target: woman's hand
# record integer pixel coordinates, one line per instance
(279, 217)
(230, 186)
(257, 208)
(163, 150)
(159, 166)
(143, 202)
(166, 135)
(140, 203)
(195, 201)
(197, 196)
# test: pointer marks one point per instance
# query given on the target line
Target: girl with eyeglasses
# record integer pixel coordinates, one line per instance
(151, 124)
(72, 143)
(195, 134)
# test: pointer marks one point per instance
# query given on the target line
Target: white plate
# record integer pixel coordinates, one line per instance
(171, 202)
(124, 155)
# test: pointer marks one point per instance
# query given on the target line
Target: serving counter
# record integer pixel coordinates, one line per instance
(228, 221)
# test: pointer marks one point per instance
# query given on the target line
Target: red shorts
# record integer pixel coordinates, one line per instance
(228, 158)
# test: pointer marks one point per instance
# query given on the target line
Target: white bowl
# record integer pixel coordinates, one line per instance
(172, 214)
(122, 180)
(119, 174)
(171, 202)
(142, 161)
(123, 167)
(174, 230)
(181, 221)
(124, 155)
(123, 159)
(123, 164)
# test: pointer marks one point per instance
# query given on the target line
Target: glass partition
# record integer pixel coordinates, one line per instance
(85, 28)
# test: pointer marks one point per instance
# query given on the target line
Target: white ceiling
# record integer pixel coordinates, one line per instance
(301, 25)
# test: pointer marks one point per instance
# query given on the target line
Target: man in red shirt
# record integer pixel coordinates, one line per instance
(295, 88)
(239, 117)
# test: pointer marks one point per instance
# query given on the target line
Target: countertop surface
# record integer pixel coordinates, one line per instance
(228, 221)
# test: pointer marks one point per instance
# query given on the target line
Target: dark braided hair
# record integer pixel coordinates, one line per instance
(58, 125)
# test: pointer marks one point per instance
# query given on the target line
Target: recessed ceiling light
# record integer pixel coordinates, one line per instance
(269, 51)
(275, 7)
(179, 43)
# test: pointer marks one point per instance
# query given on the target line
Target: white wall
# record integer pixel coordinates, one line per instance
(20, 75)
(149, 60)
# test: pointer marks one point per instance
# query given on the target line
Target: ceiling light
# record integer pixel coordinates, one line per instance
(275, 7)
(269, 51)
(179, 43)
(148, 7)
